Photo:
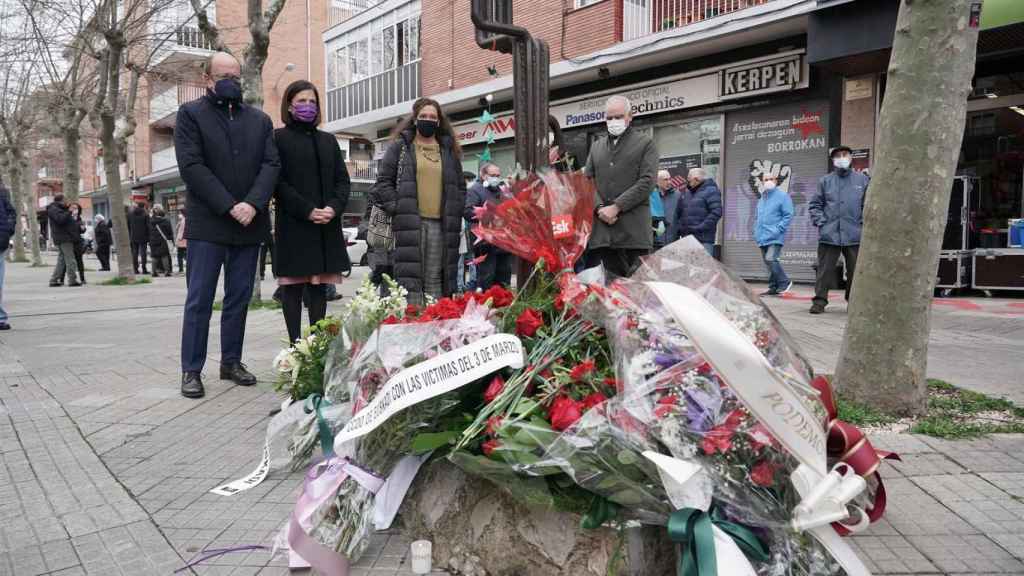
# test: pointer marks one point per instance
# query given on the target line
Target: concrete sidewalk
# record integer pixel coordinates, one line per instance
(105, 469)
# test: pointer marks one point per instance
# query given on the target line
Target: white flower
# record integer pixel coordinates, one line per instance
(285, 362)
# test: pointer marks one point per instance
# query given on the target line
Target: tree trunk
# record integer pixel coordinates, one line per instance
(252, 94)
(17, 184)
(111, 166)
(72, 170)
(885, 349)
(29, 203)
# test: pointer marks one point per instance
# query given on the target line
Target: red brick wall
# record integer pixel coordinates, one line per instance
(451, 58)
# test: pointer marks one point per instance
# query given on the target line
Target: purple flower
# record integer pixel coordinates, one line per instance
(701, 408)
(666, 360)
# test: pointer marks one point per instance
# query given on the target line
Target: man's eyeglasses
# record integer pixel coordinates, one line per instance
(218, 77)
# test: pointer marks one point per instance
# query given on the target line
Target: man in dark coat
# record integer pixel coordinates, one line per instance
(401, 202)
(8, 217)
(64, 232)
(699, 209)
(623, 166)
(161, 234)
(227, 158)
(104, 240)
(496, 266)
(138, 233)
(837, 209)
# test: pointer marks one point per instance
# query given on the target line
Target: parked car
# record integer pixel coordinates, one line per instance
(356, 246)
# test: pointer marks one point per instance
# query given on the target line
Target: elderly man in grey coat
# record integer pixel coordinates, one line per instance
(623, 165)
(837, 209)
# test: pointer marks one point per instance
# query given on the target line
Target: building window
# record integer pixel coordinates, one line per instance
(584, 3)
(385, 43)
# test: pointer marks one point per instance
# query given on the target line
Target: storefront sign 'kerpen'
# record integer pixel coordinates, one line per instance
(760, 78)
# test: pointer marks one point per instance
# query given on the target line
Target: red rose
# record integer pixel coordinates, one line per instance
(760, 437)
(763, 474)
(564, 412)
(614, 383)
(499, 296)
(494, 389)
(411, 310)
(704, 369)
(391, 320)
(528, 322)
(666, 405)
(718, 439)
(490, 446)
(581, 370)
(592, 400)
(493, 425)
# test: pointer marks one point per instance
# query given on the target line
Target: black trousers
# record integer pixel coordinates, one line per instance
(495, 269)
(291, 304)
(139, 256)
(103, 254)
(79, 254)
(181, 259)
(617, 262)
(828, 256)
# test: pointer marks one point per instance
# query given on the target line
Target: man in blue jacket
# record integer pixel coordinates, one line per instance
(496, 266)
(837, 209)
(227, 158)
(7, 219)
(699, 209)
(774, 213)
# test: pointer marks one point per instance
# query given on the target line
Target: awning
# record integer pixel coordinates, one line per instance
(165, 175)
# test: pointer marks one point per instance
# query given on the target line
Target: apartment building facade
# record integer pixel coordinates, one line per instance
(734, 86)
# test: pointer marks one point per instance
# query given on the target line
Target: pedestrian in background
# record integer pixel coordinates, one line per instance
(666, 197)
(63, 232)
(227, 158)
(309, 200)
(160, 235)
(774, 213)
(623, 165)
(104, 240)
(699, 209)
(493, 265)
(837, 209)
(420, 184)
(8, 217)
(138, 233)
(180, 243)
(76, 213)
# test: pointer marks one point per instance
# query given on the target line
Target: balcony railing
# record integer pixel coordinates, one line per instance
(163, 159)
(362, 170)
(341, 10)
(192, 37)
(386, 89)
(643, 17)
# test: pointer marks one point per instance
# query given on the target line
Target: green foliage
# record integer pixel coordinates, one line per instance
(125, 281)
(301, 366)
(956, 413)
(861, 414)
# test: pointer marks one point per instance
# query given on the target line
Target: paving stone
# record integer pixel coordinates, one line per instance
(967, 554)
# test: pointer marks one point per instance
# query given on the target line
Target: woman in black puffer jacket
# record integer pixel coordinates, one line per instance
(420, 184)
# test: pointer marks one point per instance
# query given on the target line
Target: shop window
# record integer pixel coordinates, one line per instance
(690, 144)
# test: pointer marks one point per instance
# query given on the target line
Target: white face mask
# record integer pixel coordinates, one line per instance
(769, 185)
(841, 163)
(493, 181)
(616, 127)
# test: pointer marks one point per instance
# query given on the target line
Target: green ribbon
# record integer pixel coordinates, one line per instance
(693, 530)
(316, 402)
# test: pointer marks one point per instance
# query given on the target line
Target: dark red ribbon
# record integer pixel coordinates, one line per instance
(847, 443)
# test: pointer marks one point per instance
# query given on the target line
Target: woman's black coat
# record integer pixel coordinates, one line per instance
(313, 175)
(399, 199)
(158, 247)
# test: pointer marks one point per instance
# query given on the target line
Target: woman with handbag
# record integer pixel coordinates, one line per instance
(420, 189)
(311, 194)
(160, 235)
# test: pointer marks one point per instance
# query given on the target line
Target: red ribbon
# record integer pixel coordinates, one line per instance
(847, 443)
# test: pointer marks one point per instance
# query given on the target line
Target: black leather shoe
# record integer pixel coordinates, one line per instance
(192, 385)
(237, 373)
(817, 309)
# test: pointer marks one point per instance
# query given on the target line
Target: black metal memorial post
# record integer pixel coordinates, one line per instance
(530, 83)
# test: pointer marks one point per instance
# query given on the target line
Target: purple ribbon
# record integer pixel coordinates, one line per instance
(322, 482)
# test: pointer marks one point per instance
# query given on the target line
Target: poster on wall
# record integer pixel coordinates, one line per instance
(790, 141)
(679, 166)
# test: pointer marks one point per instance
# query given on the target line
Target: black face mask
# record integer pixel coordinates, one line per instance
(426, 128)
(228, 89)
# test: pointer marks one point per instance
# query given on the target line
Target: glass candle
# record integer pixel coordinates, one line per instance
(421, 557)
